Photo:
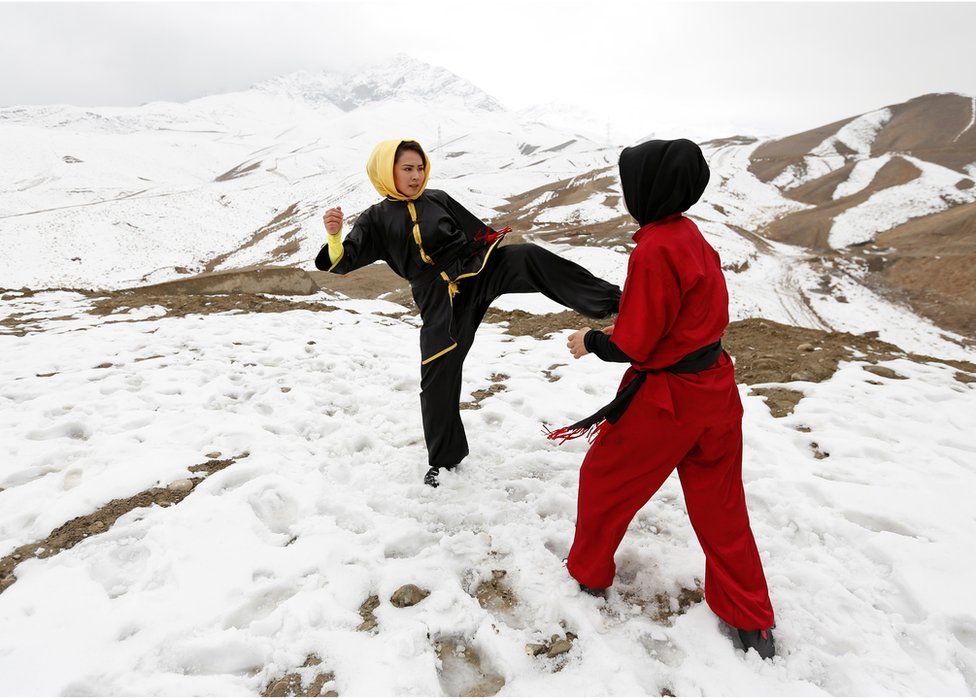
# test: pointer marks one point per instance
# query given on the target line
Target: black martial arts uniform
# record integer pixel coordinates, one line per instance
(452, 303)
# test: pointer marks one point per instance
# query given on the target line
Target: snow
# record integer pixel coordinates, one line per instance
(857, 135)
(862, 549)
(933, 191)
(592, 210)
(972, 120)
(861, 176)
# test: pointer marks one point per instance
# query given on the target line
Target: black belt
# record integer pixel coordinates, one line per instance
(692, 363)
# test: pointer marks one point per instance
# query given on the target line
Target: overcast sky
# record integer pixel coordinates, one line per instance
(714, 67)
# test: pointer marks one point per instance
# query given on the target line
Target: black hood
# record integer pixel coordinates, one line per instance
(661, 178)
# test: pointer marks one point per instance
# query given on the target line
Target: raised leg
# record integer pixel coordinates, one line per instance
(525, 267)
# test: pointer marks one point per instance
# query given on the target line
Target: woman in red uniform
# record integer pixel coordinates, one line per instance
(677, 406)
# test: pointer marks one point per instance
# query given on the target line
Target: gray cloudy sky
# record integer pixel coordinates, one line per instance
(713, 67)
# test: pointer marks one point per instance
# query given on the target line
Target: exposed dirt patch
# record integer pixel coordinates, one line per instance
(548, 373)
(371, 282)
(366, 612)
(261, 279)
(495, 595)
(553, 648)
(543, 324)
(237, 171)
(818, 453)
(181, 305)
(496, 387)
(770, 352)
(308, 681)
(773, 157)
(282, 219)
(930, 263)
(664, 607)
(80, 528)
(408, 595)
(462, 672)
(781, 401)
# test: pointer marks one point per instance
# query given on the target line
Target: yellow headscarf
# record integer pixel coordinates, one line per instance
(380, 170)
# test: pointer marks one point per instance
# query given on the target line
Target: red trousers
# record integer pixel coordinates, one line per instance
(627, 464)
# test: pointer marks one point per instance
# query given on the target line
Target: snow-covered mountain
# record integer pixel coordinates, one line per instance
(121, 196)
(892, 191)
(402, 79)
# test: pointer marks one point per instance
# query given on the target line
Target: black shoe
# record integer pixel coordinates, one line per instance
(761, 641)
(430, 478)
(595, 591)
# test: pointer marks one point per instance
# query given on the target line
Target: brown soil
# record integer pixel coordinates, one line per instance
(820, 192)
(495, 595)
(728, 141)
(496, 387)
(927, 127)
(237, 171)
(280, 220)
(932, 261)
(781, 401)
(772, 157)
(80, 528)
(770, 352)
(664, 608)
(321, 684)
(461, 672)
(542, 324)
(370, 282)
(180, 305)
(285, 281)
(366, 610)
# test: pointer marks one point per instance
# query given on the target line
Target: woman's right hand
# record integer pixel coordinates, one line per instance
(609, 330)
(333, 220)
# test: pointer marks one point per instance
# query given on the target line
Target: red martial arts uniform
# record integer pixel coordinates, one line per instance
(674, 302)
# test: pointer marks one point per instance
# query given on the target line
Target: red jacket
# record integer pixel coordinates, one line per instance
(674, 302)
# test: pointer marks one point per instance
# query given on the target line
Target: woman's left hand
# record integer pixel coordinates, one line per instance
(576, 345)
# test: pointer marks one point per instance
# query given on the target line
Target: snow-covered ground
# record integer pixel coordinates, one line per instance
(268, 561)
(866, 551)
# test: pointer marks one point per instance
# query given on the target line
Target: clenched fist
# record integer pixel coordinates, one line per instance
(333, 220)
(576, 345)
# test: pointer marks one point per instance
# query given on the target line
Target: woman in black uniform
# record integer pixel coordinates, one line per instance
(456, 268)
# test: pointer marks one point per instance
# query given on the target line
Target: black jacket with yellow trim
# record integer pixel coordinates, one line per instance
(385, 232)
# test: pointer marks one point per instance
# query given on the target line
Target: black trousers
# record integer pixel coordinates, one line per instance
(517, 268)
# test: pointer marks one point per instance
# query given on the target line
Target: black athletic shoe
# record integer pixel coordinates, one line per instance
(431, 479)
(761, 641)
(595, 591)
